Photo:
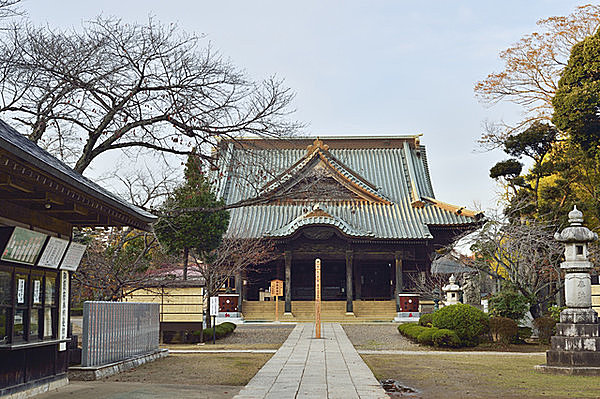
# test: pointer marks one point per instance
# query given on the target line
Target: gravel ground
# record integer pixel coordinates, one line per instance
(379, 337)
(258, 334)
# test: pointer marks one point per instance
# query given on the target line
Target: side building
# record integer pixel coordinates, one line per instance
(42, 200)
(365, 206)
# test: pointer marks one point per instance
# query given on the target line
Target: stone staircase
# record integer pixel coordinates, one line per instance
(331, 311)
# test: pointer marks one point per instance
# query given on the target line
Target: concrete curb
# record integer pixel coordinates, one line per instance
(80, 373)
(400, 352)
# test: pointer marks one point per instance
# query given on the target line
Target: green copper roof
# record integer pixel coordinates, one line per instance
(393, 169)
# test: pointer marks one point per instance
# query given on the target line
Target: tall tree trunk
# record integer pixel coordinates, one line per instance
(186, 252)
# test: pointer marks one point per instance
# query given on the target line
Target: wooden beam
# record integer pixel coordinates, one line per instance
(36, 219)
(32, 197)
(66, 208)
(9, 181)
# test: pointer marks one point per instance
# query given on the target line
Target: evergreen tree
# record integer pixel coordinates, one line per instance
(201, 230)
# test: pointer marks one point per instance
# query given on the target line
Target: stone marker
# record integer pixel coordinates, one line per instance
(575, 349)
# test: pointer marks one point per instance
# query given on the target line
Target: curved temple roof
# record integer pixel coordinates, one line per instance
(371, 187)
(25, 154)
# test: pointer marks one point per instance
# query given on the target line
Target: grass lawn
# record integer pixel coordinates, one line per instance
(198, 369)
(480, 376)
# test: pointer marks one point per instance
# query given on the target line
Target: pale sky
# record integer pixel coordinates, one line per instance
(362, 67)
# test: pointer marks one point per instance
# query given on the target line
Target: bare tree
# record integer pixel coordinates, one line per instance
(234, 257)
(532, 68)
(118, 86)
(116, 263)
(522, 251)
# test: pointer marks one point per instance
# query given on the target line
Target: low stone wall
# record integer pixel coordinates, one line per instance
(37, 387)
(80, 373)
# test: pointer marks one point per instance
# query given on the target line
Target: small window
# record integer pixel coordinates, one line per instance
(579, 249)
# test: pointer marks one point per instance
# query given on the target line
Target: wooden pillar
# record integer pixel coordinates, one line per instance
(399, 284)
(288, 281)
(357, 278)
(349, 281)
(238, 289)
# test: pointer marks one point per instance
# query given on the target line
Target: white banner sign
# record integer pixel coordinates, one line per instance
(53, 253)
(73, 257)
(214, 305)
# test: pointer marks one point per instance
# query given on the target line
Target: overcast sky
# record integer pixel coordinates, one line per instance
(362, 67)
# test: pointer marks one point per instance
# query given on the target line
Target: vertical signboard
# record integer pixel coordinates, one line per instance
(276, 291)
(63, 309)
(318, 298)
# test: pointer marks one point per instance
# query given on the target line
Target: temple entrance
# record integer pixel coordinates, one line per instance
(376, 280)
(333, 280)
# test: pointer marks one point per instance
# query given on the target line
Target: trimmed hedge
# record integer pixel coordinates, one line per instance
(221, 330)
(426, 337)
(466, 321)
(446, 338)
(426, 320)
(429, 335)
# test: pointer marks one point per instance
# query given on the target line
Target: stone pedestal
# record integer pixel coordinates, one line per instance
(575, 349)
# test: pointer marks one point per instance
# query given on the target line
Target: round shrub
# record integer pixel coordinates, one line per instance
(446, 338)
(426, 320)
(509, 303)
(503, 329)
(426, 337)
(545, 326)
(467, 321)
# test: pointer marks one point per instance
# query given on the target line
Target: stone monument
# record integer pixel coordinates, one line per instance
(575, 349)
(472, 290)
(452, 291)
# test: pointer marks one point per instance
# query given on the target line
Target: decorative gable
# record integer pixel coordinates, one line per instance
(320, 176)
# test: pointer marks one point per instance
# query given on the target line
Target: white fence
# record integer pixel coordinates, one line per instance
(113, 331)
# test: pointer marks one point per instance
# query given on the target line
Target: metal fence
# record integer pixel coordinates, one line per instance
(113, 331)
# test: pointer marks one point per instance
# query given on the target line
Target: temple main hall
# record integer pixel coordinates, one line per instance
(365, 206)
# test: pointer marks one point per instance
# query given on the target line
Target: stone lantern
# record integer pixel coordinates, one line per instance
(452, 291)
(575, 349)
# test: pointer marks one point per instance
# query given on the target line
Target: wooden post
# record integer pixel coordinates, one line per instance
(317, 298)
(288, 282)
(398, 288)
(276, 309)
(349, 283)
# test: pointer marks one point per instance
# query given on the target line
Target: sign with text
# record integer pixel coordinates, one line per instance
(317, 298)
(276, 288)
(53, 252)
(214, 305)
(73, 257)
(63, 309)
(24, 246)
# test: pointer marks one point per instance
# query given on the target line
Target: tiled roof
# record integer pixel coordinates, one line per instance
(397, 173)
(19, 145)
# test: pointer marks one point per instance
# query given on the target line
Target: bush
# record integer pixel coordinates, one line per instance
(554, 312)
(220, 331)
(426, 336)
(426, 320)
(467, 321)
(509, 303)
(446, 338)
(503, 329)
(545, 326)
(524, 333)
(411, 330)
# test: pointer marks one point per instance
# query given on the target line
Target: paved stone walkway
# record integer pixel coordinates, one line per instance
(305, 367)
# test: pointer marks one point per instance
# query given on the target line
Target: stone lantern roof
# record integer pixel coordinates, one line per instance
(576, 232)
